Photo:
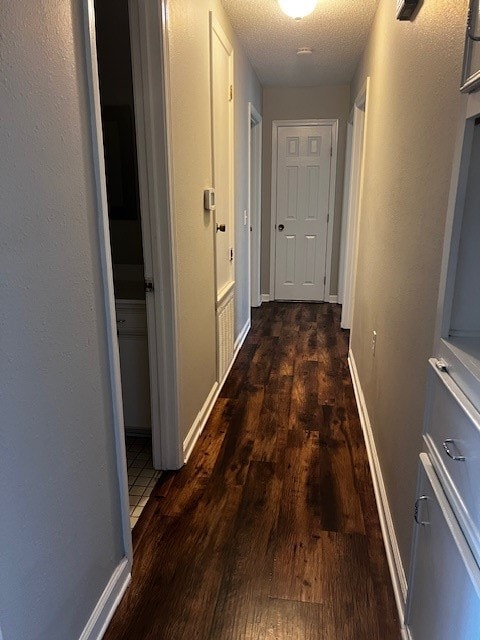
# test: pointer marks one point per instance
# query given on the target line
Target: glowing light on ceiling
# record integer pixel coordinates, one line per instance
(297, 9)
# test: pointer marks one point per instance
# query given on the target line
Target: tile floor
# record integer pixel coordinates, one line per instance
(142, 477)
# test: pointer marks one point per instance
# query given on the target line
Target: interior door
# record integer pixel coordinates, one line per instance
(302, 203)
(222, 132)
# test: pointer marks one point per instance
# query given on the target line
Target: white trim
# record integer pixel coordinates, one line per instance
(200, 422)
(333, 299)
(254, 217)
(276, 124)
(265, 297)
(355, 203)
(204, 413)
(226, 292)
(345, 202)
(109, 600)
(98, 165)
(149, 47)
(241, 339)
(453, 225)
(397, 572)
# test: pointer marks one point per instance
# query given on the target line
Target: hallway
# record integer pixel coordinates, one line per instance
(271, 530)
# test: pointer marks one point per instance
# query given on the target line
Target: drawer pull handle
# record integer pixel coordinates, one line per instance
(121, 321)
(422, 523)
(446, 446)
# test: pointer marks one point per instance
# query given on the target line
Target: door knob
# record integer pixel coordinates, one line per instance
(281, 227)
(221, 227)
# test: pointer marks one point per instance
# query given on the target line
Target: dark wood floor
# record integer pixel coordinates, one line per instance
(270, 532)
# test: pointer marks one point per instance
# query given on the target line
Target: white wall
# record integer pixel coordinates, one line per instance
(188, 29)
(413, 117)
(60, 525)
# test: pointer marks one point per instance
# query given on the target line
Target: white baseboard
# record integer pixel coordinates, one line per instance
(265, 297)
(204, 413)
(241, 339)
(200, 422)
(109, 601)
(333, 299)
(395, 565)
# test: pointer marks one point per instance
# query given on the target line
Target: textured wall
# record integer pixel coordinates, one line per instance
(60, 528)
(188, 25)
(414, 110)
(288, 103)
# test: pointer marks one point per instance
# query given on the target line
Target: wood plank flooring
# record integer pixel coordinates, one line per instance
(270, 532)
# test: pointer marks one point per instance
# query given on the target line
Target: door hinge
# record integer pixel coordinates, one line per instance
(324, 280)
(328, 218)
(231, 255)
(231, 93)
(331, 151)
(148, 286)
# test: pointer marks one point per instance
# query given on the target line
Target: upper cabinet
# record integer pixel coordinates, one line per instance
(458, 342)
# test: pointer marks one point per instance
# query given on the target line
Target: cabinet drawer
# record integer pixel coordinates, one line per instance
(444, 584)
(452, 436)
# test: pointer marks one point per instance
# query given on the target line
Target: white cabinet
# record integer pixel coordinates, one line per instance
(445, 580)
(133, 346)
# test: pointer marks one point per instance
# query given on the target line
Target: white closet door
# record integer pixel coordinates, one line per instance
(303, 193)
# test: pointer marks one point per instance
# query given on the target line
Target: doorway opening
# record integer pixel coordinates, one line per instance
(112, 27)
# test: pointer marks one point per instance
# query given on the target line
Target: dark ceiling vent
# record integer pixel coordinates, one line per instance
(406, 8)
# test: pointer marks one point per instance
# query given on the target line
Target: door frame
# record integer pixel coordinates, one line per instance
(345, 201)
(276, 124)
(254, 204)
(103, 230)
(351, 228)
(166, 440)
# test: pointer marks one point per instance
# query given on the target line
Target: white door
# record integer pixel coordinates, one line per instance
(149, 86)
(221, 78)
(303, 175)
(222, 132)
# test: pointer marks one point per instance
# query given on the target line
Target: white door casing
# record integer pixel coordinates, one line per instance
(345, 201)
(302, 186)
(222, 155)
(352, 226)
(254, 202)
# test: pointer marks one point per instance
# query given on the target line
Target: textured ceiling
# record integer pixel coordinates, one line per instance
(336, 31)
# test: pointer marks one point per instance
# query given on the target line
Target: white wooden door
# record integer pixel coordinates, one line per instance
(149, 87)
(222, 132)
(302, 203)
(221, 78)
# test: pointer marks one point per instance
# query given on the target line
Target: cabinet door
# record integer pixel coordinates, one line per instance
(135, 381)
(444, 586)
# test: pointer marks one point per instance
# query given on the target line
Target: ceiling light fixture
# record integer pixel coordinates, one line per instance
(297, 9)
